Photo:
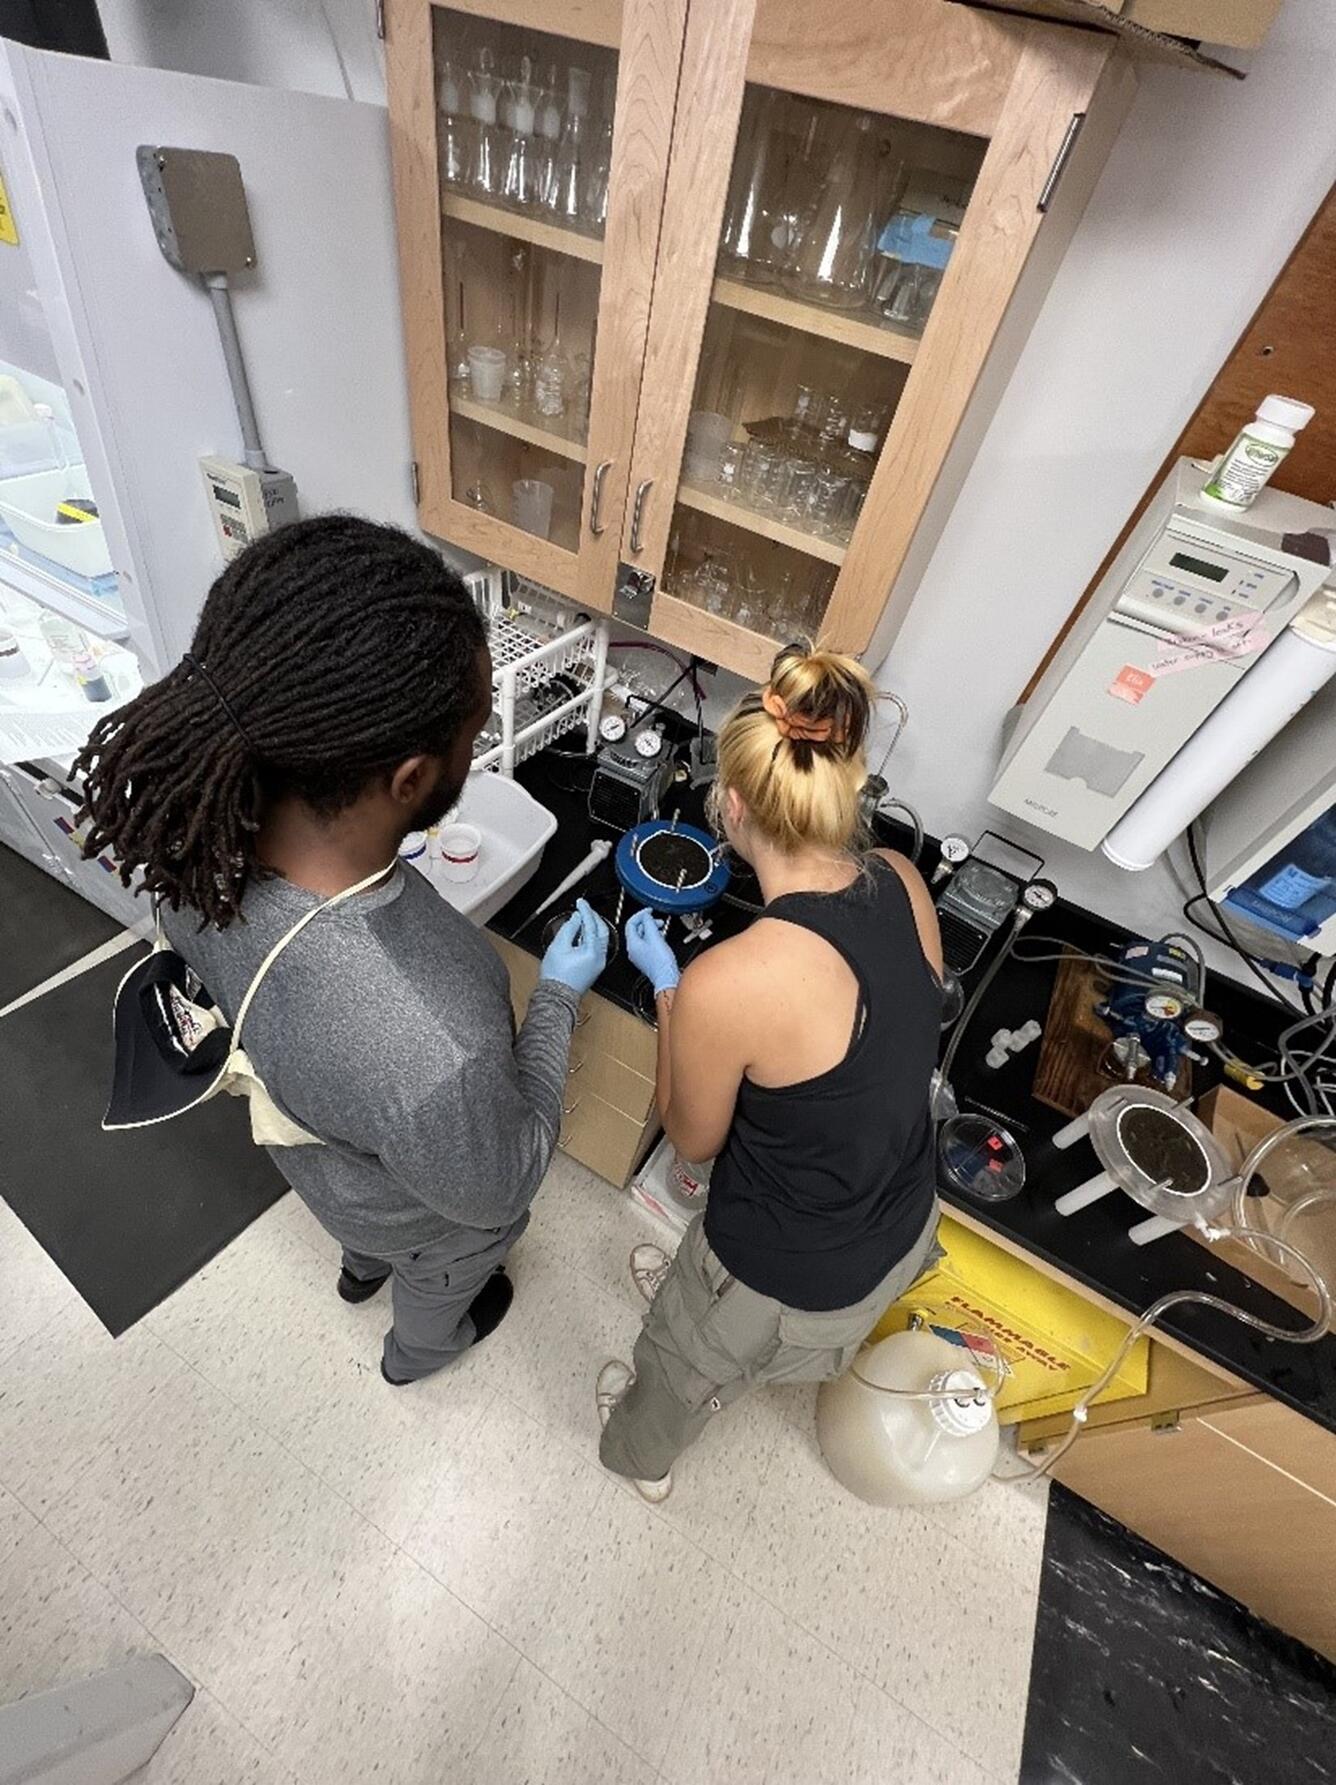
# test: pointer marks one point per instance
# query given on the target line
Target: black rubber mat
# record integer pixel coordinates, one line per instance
(1144, 1674)
(43, 926)
(128, 1217)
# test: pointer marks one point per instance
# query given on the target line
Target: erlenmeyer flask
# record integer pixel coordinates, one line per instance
(596, 180)
(520, 182)
(751, 244)
(832, 258)
(452, 132)
(486, 150)
(565, 186)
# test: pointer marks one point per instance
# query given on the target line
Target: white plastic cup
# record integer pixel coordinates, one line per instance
(531, 508)
(487, 373)
(457, 847)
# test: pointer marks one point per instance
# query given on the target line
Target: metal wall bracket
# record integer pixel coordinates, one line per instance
(198, 206)
(633, 596)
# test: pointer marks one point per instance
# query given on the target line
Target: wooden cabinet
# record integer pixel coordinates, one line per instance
(718, 275)
(609, 1115)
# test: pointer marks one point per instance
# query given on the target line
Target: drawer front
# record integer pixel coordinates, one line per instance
(600, 1075)
(1283, 1438)
(605, 1139)
(523, 971)
(606, 1028)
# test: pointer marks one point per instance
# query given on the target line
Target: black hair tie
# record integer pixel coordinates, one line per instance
(195, 667)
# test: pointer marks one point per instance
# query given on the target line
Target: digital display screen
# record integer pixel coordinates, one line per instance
(1215, 573)
(228, 496)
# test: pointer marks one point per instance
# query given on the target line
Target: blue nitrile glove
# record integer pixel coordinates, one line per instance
(578, 953)
(649, 952)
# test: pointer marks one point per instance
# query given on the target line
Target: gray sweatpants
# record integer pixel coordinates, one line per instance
(432, 1288)
(707, 1339)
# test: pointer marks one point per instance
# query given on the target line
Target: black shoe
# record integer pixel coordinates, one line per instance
(360, 1289)
(491, 1305)
(394, 1381)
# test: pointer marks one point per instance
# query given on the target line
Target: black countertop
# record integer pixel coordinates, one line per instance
(1091, 1247)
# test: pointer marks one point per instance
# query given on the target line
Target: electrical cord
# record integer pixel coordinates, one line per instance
(1225, 934)
(894, 805)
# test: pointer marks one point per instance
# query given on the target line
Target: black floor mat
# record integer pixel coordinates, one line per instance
(128, 1217)
(1144, 1674)
(43, 926)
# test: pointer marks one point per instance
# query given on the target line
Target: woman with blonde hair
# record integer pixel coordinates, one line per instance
(798, 1056)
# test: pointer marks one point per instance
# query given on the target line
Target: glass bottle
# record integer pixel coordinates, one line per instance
(63, 639)
(458, 375)
(749, 248)
(597, 179)
(486, 148)
(552, 375)
(833, 255)
(520, 187)
(565, 187)
(452, 127)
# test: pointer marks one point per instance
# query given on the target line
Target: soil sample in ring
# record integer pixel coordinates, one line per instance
(669, 857)
(1162, 1148)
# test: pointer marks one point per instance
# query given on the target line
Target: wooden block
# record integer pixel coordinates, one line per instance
(1069, 1075)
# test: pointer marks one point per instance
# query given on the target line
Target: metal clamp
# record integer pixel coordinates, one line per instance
(638, 512)
(596, 523)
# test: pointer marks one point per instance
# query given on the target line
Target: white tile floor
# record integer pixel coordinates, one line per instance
(441, 1584)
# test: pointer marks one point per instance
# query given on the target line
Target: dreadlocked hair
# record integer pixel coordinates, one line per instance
(327, 653)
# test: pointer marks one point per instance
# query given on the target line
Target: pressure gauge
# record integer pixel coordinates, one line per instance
(1203, 1025)
(1164, 1006)
(649, 743)
(954, 850)
(1038, 895)
(612, 728)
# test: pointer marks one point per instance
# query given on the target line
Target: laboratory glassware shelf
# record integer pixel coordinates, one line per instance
(751, 520)
(521, 227)
(95, 616)
(547, 673)
(831, 325)
(507, 420)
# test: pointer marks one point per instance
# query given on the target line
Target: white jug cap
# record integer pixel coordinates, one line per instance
(1286, 412)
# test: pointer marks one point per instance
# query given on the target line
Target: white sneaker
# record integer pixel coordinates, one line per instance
(649, 1266)
(613, 1381)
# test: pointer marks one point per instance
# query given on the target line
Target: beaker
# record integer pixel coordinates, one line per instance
(748, 246)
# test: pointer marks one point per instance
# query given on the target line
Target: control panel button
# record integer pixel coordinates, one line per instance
(1179, 600)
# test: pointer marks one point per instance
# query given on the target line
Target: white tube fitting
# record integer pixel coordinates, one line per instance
(1074, 1131)
(1154, 1227)
(1085, 1194)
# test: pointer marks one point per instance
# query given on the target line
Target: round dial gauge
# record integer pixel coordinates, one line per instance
(612, 728)
(1164, 1006)
(1203, 1025)
(954, 850)
(1038, 895)
(649, 743)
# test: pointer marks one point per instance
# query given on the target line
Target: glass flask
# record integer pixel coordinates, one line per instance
(563, 198)
(452, 127)
(552, 378)
(832, 257)
(458, 373)
(521, 186)
(597, 179)
(754, 236)
(486, 166)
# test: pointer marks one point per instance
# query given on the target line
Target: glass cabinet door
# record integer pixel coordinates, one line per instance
(527, 177)
(833, 288)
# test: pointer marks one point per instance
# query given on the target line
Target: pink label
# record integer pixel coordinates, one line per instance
(1236, 637)
(1131, 684)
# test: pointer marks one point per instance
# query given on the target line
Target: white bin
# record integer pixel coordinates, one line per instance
(28, 506)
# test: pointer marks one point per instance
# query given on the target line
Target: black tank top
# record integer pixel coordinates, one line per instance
(823, 1186)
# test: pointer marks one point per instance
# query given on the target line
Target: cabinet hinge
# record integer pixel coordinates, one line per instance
(417, 481)
(380, 20)
(1060, 161)
(1168, 1420)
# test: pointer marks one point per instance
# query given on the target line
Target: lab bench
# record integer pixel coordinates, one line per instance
(1228, 1459)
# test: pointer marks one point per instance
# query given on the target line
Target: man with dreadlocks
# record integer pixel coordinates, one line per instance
(327, 707)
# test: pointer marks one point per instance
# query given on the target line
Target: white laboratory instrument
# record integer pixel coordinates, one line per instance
(245, 502)
(1182, 614)
(1269, 841)
(598, 853)
(1278, 685)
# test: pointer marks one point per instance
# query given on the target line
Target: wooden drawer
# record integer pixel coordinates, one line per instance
(605, 1139)
(608, 1029)
(1284, 1439)
(597, 1074)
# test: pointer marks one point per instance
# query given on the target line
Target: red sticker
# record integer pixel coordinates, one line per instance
(1131, 684)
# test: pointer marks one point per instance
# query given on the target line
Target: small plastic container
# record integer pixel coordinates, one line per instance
(1257, 451)
(487, 373)
(414, 848)
(14, 666)
(707, 435)
(531, 505)
(459, 846)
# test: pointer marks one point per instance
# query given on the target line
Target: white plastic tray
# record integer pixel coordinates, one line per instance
(515, 831)
(26, 502)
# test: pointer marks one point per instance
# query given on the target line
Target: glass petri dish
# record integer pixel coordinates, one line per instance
(980, 1159)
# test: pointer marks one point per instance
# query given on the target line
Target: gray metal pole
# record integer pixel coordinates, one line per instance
(221, 298)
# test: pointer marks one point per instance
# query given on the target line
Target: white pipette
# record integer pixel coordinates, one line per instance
(598, 852)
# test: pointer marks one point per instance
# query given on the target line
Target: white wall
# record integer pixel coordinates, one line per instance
(1208, 188)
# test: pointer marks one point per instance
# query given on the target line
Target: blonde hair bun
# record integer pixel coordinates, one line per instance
(793, 751)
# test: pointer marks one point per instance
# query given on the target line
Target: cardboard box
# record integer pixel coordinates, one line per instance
(1242, 24)
(1052, 1341)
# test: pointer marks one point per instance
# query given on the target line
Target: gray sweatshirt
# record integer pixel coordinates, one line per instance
(386, 1029)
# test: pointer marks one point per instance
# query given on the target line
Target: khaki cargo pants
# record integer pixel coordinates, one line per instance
(707, 1339)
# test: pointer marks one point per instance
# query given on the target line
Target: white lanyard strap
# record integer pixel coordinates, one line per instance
(348, 892)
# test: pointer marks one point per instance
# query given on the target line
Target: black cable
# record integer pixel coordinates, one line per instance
(1225, 934)
(1329, 986)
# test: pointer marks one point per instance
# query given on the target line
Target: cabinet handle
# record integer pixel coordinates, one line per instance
(583, 1018)
(1060, 161)
(569, 1109)
(596, 522)
(576, 1065)
(638, 512)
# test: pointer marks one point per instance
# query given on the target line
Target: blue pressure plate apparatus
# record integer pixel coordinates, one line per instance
(671, 867)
